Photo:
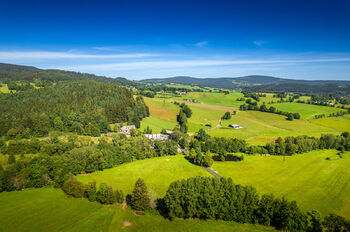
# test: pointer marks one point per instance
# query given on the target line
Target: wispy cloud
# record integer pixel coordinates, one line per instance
(259, 43)
(191, 63)
(201, 44)
(15, 55)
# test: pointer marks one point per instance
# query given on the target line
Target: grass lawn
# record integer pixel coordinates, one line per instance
(49, 209)
(306, 111)
(263, 127)
(156, 124)
(220, 99)
(310, 179)
(259, 127)
(158, 173)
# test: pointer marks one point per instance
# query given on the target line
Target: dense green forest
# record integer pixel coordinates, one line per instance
(83, 107)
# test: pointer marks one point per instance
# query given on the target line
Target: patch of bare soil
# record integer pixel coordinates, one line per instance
(126, 224)
(85, 174)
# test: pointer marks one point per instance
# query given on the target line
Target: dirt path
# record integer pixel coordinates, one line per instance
(219, 125)
(211, 171)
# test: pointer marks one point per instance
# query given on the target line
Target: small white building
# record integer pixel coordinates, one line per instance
(235, 126)
(159, 137)
(127, 129)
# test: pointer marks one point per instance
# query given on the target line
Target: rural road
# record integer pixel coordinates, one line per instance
(212, 172)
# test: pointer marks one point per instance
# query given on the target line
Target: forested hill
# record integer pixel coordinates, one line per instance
(10, 72)
(84, 107)
(243, 82)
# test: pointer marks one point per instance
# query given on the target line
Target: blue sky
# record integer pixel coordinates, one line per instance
(144, 39)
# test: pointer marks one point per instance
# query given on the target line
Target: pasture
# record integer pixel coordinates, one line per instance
(49, 209)
(259, 127)
(314, 182)
(158, 173)
(309, 179)
(306, 111)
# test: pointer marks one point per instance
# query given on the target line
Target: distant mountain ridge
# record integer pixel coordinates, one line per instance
(241, 82)
(11, 72)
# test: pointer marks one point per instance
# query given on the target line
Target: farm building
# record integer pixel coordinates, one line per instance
(235, 126)
(169, 132)
(127, 129)
(159, 137)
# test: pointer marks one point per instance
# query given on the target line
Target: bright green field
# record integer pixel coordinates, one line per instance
(5, 89)
(158, 173)
(156, 124)
(306, 111)
(220, 99)
(260, 127)
(310, 179)
(51, 210)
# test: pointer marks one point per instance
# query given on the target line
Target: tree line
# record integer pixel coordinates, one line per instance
(214, 198)
(254, 106)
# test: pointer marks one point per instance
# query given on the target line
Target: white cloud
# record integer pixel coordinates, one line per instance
(189, 63)
(16, 55)
(202, 44)
(259, 43)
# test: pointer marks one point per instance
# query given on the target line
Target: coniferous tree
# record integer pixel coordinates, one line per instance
(139, 197)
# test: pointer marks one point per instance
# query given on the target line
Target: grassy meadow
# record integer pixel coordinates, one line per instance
(310, 179)
(158, 173)
(306, 111)
(259, 127)
(49, 209)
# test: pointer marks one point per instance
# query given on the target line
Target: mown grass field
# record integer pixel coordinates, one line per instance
(306, 111)
(259, 127)
(49, 209)
(158, 173)
(310, 179)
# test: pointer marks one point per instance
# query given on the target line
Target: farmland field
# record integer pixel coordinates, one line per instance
(258, 127)
(306, 111)
(49, 209)
(310, 179)
(158, 173)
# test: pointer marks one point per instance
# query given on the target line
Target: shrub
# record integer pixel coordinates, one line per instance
(73, 188)
(90, 191)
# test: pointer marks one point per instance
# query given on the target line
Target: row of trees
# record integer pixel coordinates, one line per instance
(104, 194)
(184, 113)
(202, 145)
(82, 107)
(138, 200)
(273, 110)
(213, 198)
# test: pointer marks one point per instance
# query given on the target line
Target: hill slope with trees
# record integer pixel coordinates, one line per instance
(83, 107)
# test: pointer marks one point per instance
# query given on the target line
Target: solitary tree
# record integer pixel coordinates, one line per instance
(139, 197)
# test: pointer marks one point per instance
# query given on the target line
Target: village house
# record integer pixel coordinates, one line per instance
(127, 129)
(235, 126)
(159, 137)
